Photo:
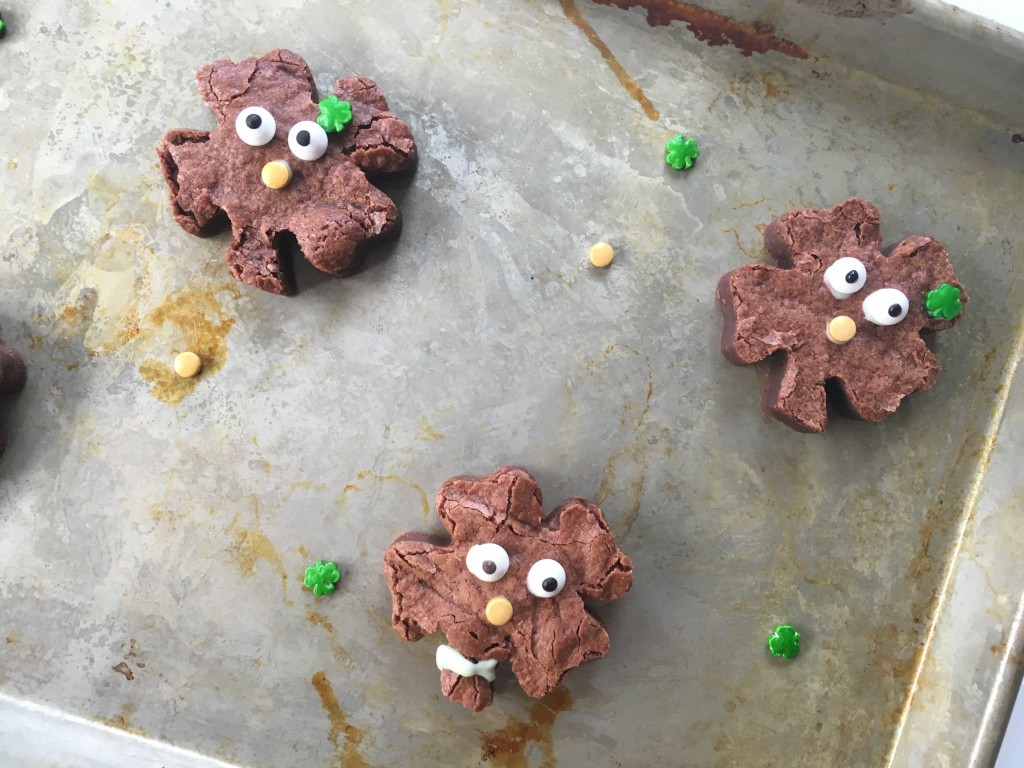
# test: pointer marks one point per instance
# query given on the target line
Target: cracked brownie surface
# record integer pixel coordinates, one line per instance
(832, 267)
(328, 205)
(448, 586)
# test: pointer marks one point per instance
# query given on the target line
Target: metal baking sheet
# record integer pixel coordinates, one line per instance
(153, 534)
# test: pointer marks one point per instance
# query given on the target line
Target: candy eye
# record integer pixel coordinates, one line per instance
(488, 562)
(845, 277)
(255, 126)
(546, 578)
(886, 306)
(307, 140)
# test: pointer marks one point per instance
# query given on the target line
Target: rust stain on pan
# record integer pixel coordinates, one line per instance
(632, 86)
(369, 473)
(712, 28)
(347, 752)
(123, 720)
(124, 669)
(203, 323)
(507, 747)
(250, 545)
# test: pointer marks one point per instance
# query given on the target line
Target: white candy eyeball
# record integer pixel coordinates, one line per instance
(546, 578)
(845, 277)
(488, 562)
(255, 126)
(307, 140)
(886, 306)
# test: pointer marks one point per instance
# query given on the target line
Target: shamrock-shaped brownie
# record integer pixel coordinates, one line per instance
(839, 309)
(12, 379)
(508, 586)
(281, 167)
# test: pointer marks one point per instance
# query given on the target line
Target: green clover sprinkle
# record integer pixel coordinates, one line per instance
(680, 152)
(322, 577)
(784, 642)
(335, 114)
(944, 302)
(3, 28)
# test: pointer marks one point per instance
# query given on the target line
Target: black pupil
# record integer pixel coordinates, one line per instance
(254, 121)
(549, 584)
(852, 276)
(488, 565)
(302, 139)
(895, 310)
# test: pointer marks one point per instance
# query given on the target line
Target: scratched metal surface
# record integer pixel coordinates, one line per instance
(164, 529)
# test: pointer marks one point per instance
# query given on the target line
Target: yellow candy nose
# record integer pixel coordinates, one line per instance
(276, 174)
(841, 329)
(498, 611)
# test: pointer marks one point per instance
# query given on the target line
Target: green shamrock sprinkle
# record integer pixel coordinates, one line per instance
(784, 642)
(680, 152)
(944, 302)
(322, 577)
(335, 114)
(3, 28)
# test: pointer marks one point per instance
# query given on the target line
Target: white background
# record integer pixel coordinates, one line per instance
(1009, 13)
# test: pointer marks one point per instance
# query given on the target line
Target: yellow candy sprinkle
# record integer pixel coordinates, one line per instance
(187, 365)
(601, 255)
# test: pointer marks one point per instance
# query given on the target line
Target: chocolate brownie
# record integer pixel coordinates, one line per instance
(508, 586)
(271, 168)
(12, 379)
(838, 309)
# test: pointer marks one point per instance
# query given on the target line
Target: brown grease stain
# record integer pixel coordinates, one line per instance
(632, 86)
(750, 253)
(712, 28)
(900, 670)
(388, 479)
(347, 754)
(104, 310)
(319, 620)
(73, 314)
(170, 516)
(124, 669)
(771, 90)
(251, 545)
(506, 747)
(203, 325)
(633, 449)
(427, 432)
(923, 561)
(751, 204)
(123, 720)
(110, 307)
